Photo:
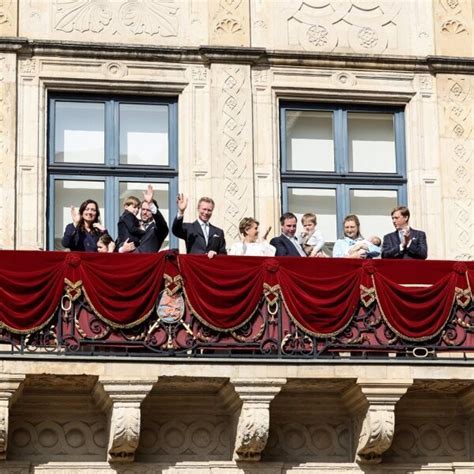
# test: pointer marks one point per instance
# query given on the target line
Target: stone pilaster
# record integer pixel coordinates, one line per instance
(122, 400)
(373, 404)
(8, 386)
(254, 420)
(231, 147)
(7, 148)
(456, 121)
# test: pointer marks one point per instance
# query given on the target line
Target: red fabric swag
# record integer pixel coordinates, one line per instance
(223, 292)
(31, 285)
(122, 289)
(321, 295)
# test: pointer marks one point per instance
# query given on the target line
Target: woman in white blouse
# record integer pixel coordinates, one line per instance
(248, 228)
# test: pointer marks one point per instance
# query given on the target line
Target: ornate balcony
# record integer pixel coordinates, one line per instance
(170, 305)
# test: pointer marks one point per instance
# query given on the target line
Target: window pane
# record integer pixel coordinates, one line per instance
(309, 141)
(73, 193)
(79, 132)
(371, 143)
(160, 194)
(321, 202)
(373, 206)
(143, 134)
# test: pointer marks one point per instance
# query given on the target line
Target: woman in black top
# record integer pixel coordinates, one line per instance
(82, 235)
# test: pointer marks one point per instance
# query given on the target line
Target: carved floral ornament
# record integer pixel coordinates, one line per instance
(149, 17)
(360, 24)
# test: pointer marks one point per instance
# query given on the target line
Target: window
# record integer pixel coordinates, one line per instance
(339, 160)
(107, 148)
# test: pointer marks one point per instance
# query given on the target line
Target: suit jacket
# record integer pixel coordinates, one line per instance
(154, 235)
(284, 248)
(417, 249)
(191, 233)
(129, 228)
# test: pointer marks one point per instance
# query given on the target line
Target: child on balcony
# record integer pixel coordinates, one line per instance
(311, 239)
(128, 224)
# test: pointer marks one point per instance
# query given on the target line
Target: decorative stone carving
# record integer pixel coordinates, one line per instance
(229, 22)
(316, 440)
(453, 27)
(375, 429)
(364, 27)
(254, 419)
(27, 66)
(233, 125)
(139, 17)
(122, 399)
(8, 386)
(456, 112)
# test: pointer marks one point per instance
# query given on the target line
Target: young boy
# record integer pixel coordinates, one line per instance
(311, 239)
(128, 224)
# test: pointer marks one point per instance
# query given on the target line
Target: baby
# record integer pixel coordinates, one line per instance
(369, 247)
(311, 239)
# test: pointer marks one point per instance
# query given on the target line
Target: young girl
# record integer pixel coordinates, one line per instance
(105, 244)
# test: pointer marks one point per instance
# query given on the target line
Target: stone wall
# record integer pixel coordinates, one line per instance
(147, 417)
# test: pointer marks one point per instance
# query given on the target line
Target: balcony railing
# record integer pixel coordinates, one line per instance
(169, 305)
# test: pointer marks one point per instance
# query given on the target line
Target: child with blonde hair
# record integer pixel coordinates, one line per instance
(311, 239)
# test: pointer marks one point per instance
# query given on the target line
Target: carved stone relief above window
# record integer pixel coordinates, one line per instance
(139, 17)
(229, 22)
(362, 26)
(453, 27)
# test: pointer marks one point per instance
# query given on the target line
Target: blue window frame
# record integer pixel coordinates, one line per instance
(343, 159)
(106, 148)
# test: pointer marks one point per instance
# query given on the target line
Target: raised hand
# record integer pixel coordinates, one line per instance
(266, 233)
(182, 202)
(75, 216)
(98, 225)
(148, 194)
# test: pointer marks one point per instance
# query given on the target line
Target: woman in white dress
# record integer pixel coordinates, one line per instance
(248, 228)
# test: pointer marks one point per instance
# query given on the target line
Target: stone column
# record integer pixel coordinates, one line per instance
(8, 386)
(122, 400)
(373, 404)
(254, 419)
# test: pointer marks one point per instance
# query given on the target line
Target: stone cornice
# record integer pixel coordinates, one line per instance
(237, 55)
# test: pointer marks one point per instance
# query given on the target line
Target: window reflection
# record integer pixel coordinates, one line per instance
(143, 134)
(309, 141)
(79, 132)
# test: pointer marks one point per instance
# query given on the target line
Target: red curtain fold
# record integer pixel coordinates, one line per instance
(31, 285)
(223, 292)
(415, 313)
(320, 295)
(122, 289)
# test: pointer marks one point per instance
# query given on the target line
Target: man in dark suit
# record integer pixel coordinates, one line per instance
(405, 242)
(201, 236)
(287, 244)
(153, 224)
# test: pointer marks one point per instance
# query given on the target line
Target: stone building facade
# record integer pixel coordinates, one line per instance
(229, 64)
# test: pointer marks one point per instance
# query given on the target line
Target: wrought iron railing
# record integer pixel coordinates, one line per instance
(174, 331)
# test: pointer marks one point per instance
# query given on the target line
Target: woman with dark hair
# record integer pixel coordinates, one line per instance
(84, 232)
(353, 245)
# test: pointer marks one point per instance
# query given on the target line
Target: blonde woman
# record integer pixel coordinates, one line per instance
(250, 245)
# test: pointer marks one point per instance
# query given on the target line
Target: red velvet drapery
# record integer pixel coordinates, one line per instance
(321, 295)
